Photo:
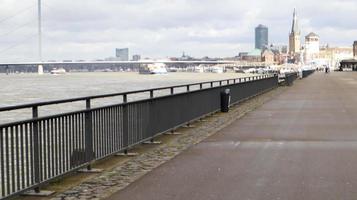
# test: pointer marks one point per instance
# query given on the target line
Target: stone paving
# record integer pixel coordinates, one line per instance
(121, 176)
(301, 145)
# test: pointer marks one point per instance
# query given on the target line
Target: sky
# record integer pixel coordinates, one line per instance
(92, 29)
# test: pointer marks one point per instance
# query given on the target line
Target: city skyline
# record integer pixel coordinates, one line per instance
(82, 30)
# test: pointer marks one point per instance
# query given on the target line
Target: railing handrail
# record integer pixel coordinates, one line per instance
(53, 102)
(39, 118)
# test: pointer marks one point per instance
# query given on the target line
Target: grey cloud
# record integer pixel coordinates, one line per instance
(89, 29)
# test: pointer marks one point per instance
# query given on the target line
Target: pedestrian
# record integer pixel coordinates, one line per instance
(327, 70)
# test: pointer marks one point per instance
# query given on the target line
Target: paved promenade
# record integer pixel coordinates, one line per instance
(300, 145)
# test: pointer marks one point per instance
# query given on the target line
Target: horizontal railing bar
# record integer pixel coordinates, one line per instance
(46, 103)
(114, 105)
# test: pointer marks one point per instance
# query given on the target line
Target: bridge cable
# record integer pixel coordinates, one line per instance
(2, 51)
(20, 12)
(16, 29)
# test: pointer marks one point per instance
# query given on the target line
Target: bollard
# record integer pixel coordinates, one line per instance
(225, 100)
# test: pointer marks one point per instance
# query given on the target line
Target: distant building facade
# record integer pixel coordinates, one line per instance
(355, 49)
(312, 47)
(294, 37)
(268, 56)
(136, 57)
(333, 55)
(261, 37)
(279, 48)
(122, 54)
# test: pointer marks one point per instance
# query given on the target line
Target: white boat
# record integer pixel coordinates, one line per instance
(199, 69)
(217, 69)
(250, 71)
(157, 68)
(59, 71)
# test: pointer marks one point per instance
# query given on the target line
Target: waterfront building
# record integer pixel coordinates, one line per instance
(312, 47)
(261, 37)
(241, 55)
(122, 54)
(281, 48)
(333, 55)
(350, 63)
(294, 37)
(268, 56)
(253, 56)
(136, 57)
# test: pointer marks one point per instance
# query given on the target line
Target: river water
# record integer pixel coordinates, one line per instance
(29, 88)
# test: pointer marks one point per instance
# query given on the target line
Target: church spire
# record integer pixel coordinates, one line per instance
(295, 28)
(294, 37)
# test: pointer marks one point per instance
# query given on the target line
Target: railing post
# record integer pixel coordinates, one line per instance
(211, 84)
(172, 90)
(201, 86)
(151, 94)
(36, 149)
(188, 88)
(125, 98)
(234, 81)
(37, 159)
(220, 83)
(88, 134)
(125, 125)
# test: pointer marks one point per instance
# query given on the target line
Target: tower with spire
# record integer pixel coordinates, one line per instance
(294, 37)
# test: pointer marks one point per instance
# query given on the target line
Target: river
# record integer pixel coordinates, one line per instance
(29, 88)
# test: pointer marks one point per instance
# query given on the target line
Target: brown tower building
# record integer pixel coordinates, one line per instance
(294, 37)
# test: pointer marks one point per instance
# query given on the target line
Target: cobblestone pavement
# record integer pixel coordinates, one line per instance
(121, 176)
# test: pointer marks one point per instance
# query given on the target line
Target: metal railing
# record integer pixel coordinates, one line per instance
(38, 150)
(288, 79)
(307, 73)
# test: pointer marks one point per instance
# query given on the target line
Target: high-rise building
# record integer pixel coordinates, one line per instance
(122, 54)
(312, 47)
(355, 49)
(261, 37)
(294, 37)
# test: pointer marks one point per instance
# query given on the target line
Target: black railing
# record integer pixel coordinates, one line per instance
(307, 73)
(38, 150)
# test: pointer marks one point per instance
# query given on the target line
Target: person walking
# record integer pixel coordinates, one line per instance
(327, 69)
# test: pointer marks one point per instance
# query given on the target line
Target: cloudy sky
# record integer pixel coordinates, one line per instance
(92, 29)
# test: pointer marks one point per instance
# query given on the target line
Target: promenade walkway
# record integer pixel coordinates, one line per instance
(300, 145)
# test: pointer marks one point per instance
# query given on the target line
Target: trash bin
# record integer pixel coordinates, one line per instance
(225, 100)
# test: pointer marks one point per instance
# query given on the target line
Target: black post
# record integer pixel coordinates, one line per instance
(36, 149)
(151, 94)
(88, 134)
(125, 98)
(125, 124)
